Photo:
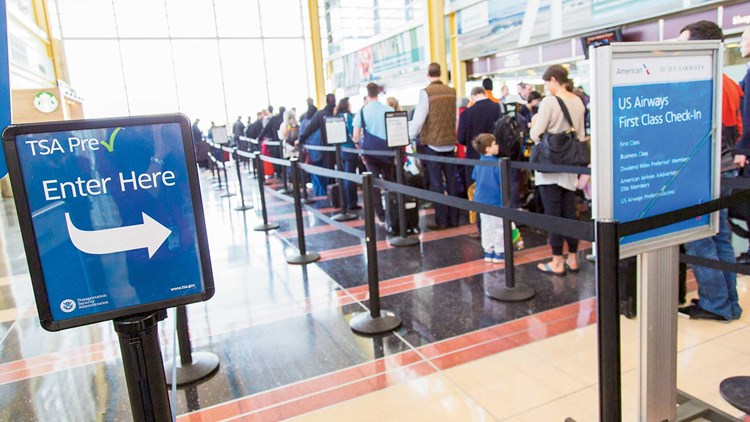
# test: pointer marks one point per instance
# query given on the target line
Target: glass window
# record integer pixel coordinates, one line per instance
(244, 77)
(102, 86)
(191, 18)
(86, 18)
(149, 76)
(237, 19)
(141, 18)
(198, 78)
(281, 18)
(286, 84)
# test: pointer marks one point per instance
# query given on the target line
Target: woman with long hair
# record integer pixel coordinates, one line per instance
(557, 190)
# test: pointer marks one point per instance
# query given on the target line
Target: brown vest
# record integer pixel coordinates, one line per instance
(440, 126)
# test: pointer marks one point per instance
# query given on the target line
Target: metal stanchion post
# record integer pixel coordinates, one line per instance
(376, 321)
(344, 215)
(402, 239)
(266, 226)
(608, 313)
(242, 206)
(193, 366)
(511, 291)
(224, 169)
(143, 365)
(304, 257)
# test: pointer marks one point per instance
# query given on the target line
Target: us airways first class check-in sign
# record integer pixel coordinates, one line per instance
(111, 216)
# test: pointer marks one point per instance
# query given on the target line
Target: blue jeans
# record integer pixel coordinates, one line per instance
(443, 178)
(717, 290)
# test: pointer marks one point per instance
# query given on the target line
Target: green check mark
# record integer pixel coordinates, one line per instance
(110, 146)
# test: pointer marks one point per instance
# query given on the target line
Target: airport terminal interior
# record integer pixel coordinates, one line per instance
(282, 332)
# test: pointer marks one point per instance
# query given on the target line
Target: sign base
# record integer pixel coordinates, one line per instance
(344, 216)
(403, 241)
(266, 227)
(204, 365)
(303, 259)
(736, 390)
(364, 323)
(503, 293)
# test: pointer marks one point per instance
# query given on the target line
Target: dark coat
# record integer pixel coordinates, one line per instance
(271, 131)
(318, 122)
(477, 119)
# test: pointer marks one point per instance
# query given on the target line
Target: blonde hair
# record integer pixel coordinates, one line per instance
(393, 102)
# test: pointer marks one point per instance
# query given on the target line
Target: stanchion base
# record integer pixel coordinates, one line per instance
(403, 241)
(243, 208)
(303, 259)
(266, 227)
(364, 323)
(308, 201)
(516, 294)
(736, 390)
(344, 216)
(227, 195)
(284, 191)
(204, 364)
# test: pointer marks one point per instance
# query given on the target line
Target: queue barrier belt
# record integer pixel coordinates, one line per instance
(373, 152)
(325, 172)
(566, 227)
(320, 148)
(671, 217)
(272, 143)
(245, 154)
(341, 226)
(277, 161)
(228, 149)
(714, 264)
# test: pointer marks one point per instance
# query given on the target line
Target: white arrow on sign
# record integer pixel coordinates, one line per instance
(151, 234)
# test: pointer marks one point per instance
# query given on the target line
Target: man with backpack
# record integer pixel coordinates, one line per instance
(475, 120)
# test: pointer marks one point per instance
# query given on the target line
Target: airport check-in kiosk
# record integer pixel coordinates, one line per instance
(656, 137)
(113, 229)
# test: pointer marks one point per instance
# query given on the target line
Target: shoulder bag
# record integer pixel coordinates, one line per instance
(561, 148)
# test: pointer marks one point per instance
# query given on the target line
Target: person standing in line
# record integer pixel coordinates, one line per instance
(197, 135)
(393, 103)
(348, 160)
(369, 134)
(474, 121)
(435, 122)
(315, 134)
(271, 133)
(238, 129)
(717, 290)
(488, 191)
(557, 190)
(505, 92)
(744, 143)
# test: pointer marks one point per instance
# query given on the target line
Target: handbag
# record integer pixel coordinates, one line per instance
(561, 148)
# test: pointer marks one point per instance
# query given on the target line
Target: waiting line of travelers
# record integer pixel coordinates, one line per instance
(486, 128)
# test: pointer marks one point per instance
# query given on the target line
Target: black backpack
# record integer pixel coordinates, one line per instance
(510, 135)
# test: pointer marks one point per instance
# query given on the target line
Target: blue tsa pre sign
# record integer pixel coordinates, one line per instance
(110, 215)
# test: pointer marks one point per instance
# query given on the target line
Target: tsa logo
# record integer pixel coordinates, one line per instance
(68, 305)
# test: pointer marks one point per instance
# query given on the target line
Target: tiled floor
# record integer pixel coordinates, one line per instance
(282, 334)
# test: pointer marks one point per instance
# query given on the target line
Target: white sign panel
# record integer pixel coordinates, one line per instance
(396, 128)
(336, 130)
(656, 130)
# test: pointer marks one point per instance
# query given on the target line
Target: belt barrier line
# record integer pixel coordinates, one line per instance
(245, 154)
(272, 143)
(373, 152)
(334, 174)
(714, 264)
(566, 227)
(320, 148)
(277, 161)
(550, 168)
(667, 218)
(343, 227)
(228, 149)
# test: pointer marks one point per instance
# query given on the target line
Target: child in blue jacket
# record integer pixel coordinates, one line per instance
(488, 192)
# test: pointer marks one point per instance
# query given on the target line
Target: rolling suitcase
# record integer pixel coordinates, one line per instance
(333, 195)
(411, 206)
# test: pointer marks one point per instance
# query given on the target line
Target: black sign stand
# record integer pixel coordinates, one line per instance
(144, 367)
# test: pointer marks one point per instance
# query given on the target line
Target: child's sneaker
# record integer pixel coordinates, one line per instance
(488, 256)
(498, 258)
